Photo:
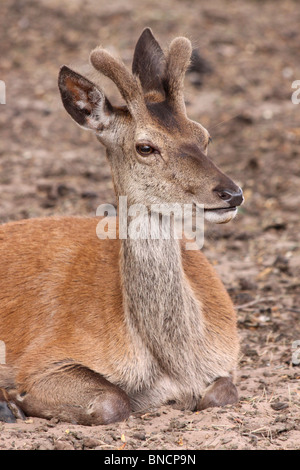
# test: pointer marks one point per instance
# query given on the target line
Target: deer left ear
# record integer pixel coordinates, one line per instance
(85, 103)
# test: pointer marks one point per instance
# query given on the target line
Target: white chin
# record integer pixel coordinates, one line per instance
(221, 216)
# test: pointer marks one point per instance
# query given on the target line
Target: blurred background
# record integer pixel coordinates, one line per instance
(239, 88)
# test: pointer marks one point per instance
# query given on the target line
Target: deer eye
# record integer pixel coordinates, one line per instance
(144, 149)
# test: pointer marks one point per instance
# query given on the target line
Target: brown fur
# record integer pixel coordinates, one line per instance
(56, 261)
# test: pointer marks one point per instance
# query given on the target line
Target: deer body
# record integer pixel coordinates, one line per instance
(96, 328)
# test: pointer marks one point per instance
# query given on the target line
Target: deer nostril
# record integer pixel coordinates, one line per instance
(234, 198)
(224, 195)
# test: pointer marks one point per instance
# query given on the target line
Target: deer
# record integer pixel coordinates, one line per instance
(96, 329)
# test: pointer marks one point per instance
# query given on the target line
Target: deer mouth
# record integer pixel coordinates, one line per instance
(219, 215)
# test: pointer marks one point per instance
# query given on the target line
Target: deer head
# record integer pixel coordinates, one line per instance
(157, 154)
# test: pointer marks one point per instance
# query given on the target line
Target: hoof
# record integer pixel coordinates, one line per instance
(220, 393)
(9, 412)
(114, 406)
(6, 415)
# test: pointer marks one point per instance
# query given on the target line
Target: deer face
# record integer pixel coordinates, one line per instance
(156, 153)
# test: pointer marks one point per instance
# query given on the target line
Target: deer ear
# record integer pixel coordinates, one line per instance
(149, 62)
(85, 103)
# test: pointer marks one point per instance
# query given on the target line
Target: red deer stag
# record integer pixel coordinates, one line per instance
(97, 328)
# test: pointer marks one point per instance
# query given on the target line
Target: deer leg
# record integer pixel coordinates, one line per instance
(220, 393)
(72, 393)
(6, 413)
(9, 411)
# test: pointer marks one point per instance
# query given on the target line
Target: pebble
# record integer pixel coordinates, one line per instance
(279, 406)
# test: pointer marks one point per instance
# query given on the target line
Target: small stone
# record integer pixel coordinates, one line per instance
(90, 442)
(140, 436)
(63, 445)
(279, 406)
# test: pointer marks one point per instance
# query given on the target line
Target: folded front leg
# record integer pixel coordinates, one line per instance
(73, 393)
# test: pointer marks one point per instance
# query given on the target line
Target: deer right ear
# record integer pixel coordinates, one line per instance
(85, 103)
(149, 62)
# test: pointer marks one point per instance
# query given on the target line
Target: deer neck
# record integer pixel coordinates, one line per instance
(160, 307)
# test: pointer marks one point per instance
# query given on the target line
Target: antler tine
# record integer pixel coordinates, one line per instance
(116, 70)
(178, 60)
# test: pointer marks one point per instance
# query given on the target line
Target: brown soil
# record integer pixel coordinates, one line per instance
(50, 166)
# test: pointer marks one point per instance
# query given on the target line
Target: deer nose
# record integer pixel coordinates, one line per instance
(232, 197)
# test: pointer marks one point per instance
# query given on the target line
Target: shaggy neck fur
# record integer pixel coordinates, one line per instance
(161, 309)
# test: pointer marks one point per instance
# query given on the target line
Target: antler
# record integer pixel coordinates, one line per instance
(151, 71)
(127, 84)
(178, 60)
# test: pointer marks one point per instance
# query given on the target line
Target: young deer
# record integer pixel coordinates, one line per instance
(97, 328)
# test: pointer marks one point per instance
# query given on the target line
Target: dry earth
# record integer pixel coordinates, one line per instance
(50, 166)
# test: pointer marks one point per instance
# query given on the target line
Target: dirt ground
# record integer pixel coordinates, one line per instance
(48, 166)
